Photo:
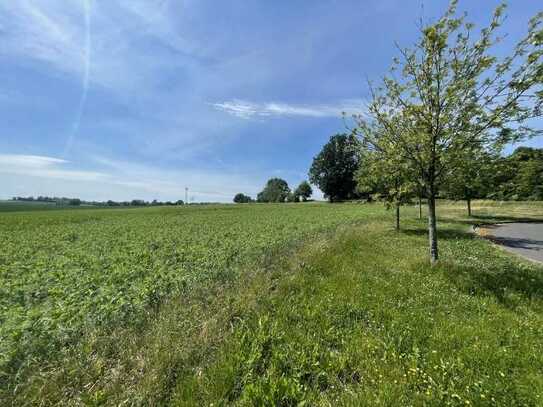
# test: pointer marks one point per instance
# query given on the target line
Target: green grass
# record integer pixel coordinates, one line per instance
(349, 314)
(27, 206)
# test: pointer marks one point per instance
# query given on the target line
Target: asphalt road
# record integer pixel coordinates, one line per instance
(525, 239)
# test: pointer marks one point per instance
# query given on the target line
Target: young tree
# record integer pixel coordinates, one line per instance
(334, 167)
(452, 94)
(386, 180)
(471, 177)
(304, 191)
(276, 190)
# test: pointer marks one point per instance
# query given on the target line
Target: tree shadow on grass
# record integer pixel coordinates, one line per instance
(505, 219)
(486, 220)
(445, 234)
(511, 282)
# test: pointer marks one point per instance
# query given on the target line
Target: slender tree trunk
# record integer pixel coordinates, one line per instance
(432, 227)
(420, 207)
(397, 216)
(469, 206)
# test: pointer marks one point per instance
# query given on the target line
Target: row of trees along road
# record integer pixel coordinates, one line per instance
(446, 106)
(518, 176)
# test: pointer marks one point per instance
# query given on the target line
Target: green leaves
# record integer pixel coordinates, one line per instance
(333, 168)
(276, 190)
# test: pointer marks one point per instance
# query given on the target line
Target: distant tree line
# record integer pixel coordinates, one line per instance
(78, 202)
(47, 199)
(515, 177)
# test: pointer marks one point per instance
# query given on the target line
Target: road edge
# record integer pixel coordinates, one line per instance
(476, 228)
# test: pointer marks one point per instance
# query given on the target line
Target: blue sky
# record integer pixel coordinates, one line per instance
(125, 99)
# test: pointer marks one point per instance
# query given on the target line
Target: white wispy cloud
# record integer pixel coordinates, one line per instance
(28, 161)
(247, 110)
(44, 167)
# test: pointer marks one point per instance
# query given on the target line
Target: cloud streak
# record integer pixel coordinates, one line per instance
(44, 167)
(247, 110)
(15, 161)
(86, 78)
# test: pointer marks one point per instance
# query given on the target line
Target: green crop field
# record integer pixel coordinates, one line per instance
(65, 271)
(265, 304)
(19, 206)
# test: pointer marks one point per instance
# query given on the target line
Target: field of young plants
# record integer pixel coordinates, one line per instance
(64, 271)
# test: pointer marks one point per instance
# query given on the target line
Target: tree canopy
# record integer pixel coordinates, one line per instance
(304, 191)
(276, 190)
(242, 198)
(518, 176)
(333, 169)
